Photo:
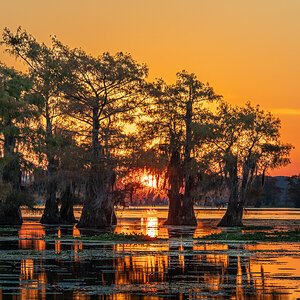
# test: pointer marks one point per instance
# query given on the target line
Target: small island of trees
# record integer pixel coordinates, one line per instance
(82, 129)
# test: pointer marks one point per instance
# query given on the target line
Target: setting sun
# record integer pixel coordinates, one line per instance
(149, 180)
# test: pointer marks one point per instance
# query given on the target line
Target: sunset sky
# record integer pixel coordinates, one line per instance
(248, 50)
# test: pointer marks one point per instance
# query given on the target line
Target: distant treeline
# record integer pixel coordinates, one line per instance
(280, 191)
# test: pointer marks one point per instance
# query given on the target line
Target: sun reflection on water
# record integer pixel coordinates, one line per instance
(147, 225)
(152, 226)
(31, 236)
(240, 271)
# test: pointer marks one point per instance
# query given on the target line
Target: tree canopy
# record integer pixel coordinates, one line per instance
(89, 123)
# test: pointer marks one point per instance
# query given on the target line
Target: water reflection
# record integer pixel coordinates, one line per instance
(142, 269)
(32, 283)
(150, 225)
(62, 268)
(202, 213)
(31, 236)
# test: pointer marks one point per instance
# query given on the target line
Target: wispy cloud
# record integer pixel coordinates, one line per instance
(285, 111)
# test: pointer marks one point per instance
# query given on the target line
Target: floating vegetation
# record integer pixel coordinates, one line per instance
(275, 236)
(7, 229)
(49, 260)
(112, 236)
(256, 228)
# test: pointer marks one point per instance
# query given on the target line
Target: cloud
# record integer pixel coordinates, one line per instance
(285, 111)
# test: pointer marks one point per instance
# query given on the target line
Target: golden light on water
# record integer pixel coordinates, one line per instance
(27, 268)
(32, 285)
(152, 226)
(77, 245)
(241, 269)
(181, 257)
(57, 243)
(31, 235)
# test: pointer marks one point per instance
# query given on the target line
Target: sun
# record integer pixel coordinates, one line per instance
(149, 180)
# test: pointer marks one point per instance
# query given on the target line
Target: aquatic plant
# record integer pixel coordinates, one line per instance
(275, 236)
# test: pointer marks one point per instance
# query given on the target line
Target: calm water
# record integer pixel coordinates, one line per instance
(38, 262)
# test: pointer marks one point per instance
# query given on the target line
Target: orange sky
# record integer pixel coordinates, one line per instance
(246, 49)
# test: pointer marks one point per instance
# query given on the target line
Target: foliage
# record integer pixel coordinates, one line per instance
(17, 115)
(244, 143)
(101, 94)
(170, 138)
(91, 123)
(164, 127)
(294, 190)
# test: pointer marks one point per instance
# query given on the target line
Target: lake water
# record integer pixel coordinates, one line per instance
(38, 262)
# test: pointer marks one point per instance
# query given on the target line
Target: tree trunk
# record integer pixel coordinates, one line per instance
(109, 211)
(66, 210)
(11, 172)
(173, 194)
(98, 210)
(93, 215)
(51, 213)
(181, 207)
(174, 212)
(233, 216)
(187, 213)
(10, 214)
(234, 213)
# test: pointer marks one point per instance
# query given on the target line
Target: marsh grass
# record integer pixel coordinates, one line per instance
(120, 237)
(256, 227)
(7, 229)
(138, 237)
(274, 236)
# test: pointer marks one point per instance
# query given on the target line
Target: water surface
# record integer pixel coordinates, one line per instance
(38, 262)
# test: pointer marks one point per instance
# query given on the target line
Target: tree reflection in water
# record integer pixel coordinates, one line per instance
(179, 267)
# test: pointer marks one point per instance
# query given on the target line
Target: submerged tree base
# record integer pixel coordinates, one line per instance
(67, 206)
(181, 217)
(90, 219)
(51, 216)
(233, 216)
(10, 215)
(102, 217)
(181, 222)
(228, 221)
(49, 219)
(67, 215)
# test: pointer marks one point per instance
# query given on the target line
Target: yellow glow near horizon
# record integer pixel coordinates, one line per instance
(247, 50)
(149, 180)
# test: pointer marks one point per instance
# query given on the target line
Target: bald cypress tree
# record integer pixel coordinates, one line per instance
(101, 94)
(42, 66)
(18, 110)
(171, 119)
(245, 144)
